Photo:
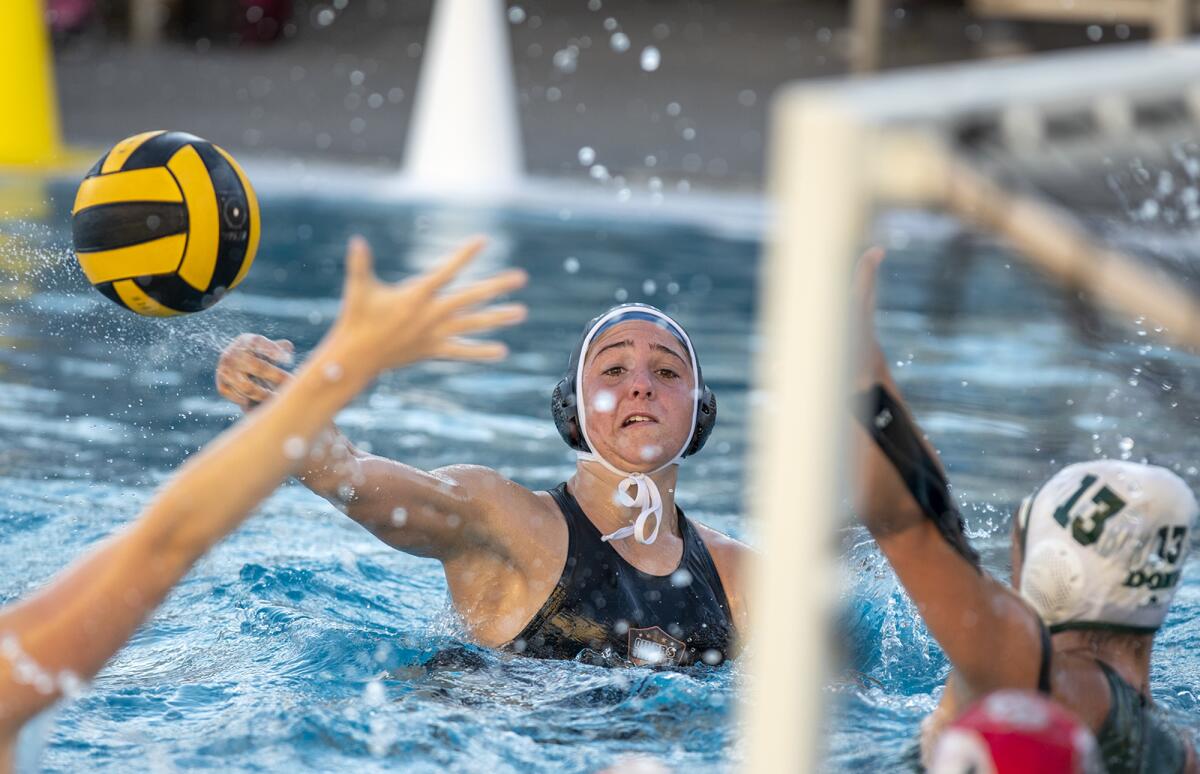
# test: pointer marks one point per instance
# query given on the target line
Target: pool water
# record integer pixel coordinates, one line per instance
(302, 643)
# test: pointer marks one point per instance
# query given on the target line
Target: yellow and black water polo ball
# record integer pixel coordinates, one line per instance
(165, 223)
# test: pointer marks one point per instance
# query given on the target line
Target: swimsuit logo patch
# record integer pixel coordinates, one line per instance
(654, 647)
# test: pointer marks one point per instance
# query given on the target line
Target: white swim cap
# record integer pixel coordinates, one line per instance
(645, 498)
(1104, 544)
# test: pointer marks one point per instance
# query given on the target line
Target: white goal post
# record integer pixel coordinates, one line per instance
(839, 151)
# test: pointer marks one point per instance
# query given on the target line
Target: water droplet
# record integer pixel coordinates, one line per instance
(610, 24)
(650, 452)
(294, 447)
(571, 264)
(333, 372)
(594, 5)
(1126, 444)
(681, 578)
(651, 59)
(599, 172)
(399, 517)
(587, 155)
(516, 14)
(395, 95)
(357, 77)
(374, 694)
(621, 295)
(325, 17)
(674, 108)
(712, 657)
(1094, 33)
(747, 97)
(375, 100)
(649, 287)
(604, 402)
(566, 59)
(553, 94)
(619, 42)
(689, 134)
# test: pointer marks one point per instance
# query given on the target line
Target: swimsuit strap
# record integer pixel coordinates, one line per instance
(553, 602)
(1043, 683)
(695, 550)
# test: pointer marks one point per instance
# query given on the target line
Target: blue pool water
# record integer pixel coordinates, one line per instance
(301, 643)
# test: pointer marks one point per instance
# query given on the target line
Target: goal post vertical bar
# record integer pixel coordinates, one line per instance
(819, 185)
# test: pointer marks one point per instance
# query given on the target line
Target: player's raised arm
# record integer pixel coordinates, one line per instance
(66, 631)
(902, 495)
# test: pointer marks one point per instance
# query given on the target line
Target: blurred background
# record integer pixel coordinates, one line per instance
(676, 90)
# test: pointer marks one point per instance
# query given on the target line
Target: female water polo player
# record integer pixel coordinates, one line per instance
(605, 565)
(1097, 554)
(65, 632)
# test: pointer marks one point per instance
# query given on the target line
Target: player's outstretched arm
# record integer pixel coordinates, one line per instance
(440, 514)
(67, 630)
(901, 494)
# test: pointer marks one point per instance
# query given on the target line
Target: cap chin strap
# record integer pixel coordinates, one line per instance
(646, 497)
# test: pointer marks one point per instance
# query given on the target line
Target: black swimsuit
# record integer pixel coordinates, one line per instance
(606, 610)
(1136, 736)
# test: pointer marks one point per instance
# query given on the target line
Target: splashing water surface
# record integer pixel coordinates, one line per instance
(302, 643)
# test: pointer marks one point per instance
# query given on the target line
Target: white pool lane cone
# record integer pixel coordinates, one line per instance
(465, 137)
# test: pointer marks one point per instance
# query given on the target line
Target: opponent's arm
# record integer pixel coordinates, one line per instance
(990, 635)
(67, 630)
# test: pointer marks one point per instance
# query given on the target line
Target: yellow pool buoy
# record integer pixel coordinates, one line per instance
(165, 223)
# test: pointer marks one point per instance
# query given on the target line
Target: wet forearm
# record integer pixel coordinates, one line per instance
(332, 467)
(216, 489)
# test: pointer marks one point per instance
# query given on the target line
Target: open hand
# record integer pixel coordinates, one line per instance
(251, 369)
(383, 325)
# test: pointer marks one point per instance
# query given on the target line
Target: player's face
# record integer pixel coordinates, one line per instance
(639, 391)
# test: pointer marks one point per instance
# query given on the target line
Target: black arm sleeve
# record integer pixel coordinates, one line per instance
(894, 432)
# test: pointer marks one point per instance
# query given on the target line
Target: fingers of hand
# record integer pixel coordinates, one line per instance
(359, 271)
(280, 352)
(259, 367)
(451, 266)
(240, 388)
(865, 274)
(483, 319)
(484, 290)
(245, 341)
(467, 349)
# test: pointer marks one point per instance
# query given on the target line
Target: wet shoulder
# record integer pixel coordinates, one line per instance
(512, 511)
